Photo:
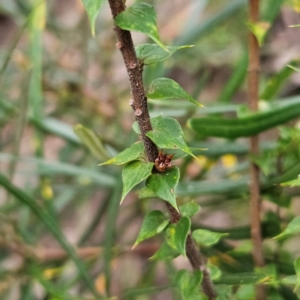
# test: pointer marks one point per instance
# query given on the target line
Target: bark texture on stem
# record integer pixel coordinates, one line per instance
(135, 71)
(140, 107)
(253, 98)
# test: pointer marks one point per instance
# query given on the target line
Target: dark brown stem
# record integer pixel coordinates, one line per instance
(255, 201)
(140, 107)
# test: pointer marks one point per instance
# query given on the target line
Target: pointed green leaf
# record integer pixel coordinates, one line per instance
(259, 29)
(140, 17)
(292, 228)
(154, 121)
(275, 83)
(177, 233)
(246, 126)
(297, 269)
(134, 152)
(188, 282)
(164, 185)
(165, 88)
(165, 252)
(133, 174)
(189, 209)
(154, 223)
(92, 141)
(152, 53)
(207, 237)
(92, 8)
(167, 134)
(242, 278)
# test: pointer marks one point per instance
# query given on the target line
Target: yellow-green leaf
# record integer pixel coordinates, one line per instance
(177, 233)
(92, 8)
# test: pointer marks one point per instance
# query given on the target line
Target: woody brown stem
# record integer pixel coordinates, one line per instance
(253, 98)
(140, 107)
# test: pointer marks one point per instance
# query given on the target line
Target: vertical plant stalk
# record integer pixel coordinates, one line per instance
(253, 98)
(140, 108)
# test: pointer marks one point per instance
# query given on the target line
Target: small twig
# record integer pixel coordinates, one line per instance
(140, 107)
(255, 202)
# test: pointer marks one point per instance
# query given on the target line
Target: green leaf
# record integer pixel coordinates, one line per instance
(242, 278)
(133, 174)
(214, 272)
(167, 134)
(134, 152)
(152, 53)
(290, 280)
(154, 223)
(177, 233)
(259, 29)
(246, 292)
(165, 252)
(165, 88)
(140, 17)
(92, 141)
(297, 269)
(207, 237)
(275, 83)
(92, 8)
(294, 68)
(291, 183)
(164, 185)
(189, 209)
(154, 121)
(246, 126)
(188, 282)
(292, 228)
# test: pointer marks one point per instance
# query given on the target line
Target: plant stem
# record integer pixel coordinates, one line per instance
(255, 201)
(140, 107)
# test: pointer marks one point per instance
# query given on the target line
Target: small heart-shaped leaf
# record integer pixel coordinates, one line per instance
(154, 223)
(163, 185)
(140, 17)
(177, 233)
(134, 173)
(134, 152)
(165, 88)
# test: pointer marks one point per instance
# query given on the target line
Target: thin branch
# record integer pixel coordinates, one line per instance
(253, 98)
(140, 107)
